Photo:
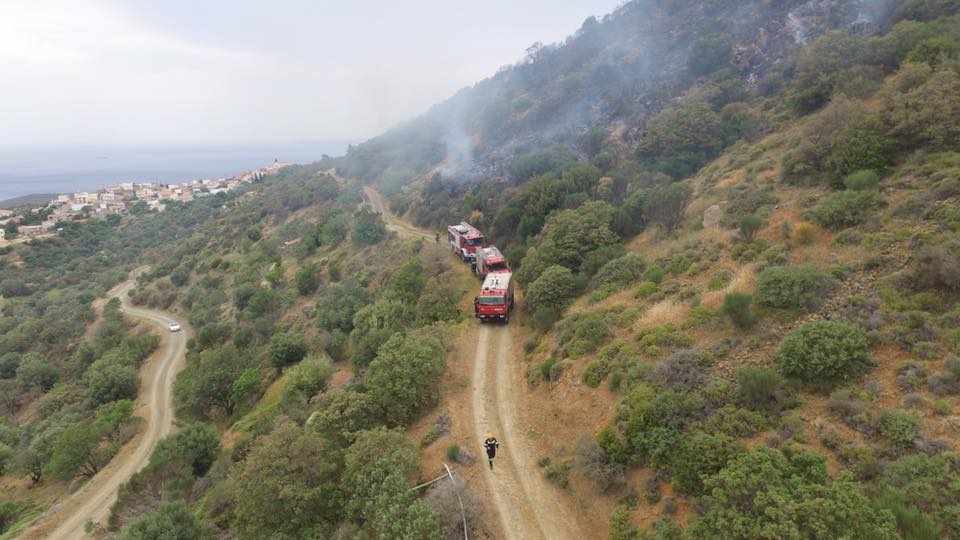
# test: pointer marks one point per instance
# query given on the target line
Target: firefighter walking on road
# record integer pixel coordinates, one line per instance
(491, 444)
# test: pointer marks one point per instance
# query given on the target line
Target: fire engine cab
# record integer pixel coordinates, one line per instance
(496, 298)
(489, 260)
(465, 239)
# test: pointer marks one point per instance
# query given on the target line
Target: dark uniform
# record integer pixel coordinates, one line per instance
(491, 444)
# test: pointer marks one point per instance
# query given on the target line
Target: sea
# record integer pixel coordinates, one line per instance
(66, 170)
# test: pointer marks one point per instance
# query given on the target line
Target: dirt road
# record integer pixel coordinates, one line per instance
(393, 223)
(154, 403)
(527, 506)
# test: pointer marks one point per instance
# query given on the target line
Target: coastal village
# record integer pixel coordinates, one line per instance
(118, 199)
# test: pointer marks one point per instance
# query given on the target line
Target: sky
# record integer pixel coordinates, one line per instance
(181, 72)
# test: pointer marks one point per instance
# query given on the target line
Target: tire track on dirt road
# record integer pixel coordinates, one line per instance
(527, 506)
(154, 403)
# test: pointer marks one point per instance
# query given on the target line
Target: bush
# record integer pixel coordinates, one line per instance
(554, 289)
(307, 279)
(719, 280)
(824, 352)
(937, 265)
(737, 307)
(368, 227)
(700, 456)
(403, 377)
(453, 452)
(36, 372)
(862, 180)
(619, 273)
(763, 493)
(749, 226)
(791, 287)
(619, 527)
(545, 317)
(760, 388)
(307, 379)
(582, 333)
(195, 444)
(558, 473)
(804, 234)
(170, 521)
(911, 521)
(286, 348)
(684, 370)
(845, 209)
(899, 426)
(599, 466)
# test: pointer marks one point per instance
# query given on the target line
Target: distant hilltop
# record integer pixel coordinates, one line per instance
(116, 200)
(33, 199)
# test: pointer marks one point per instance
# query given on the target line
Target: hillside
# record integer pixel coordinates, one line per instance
(610, 76)
(753, 271)
(734, 231)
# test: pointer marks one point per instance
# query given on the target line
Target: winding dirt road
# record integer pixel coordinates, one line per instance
(154, 403)
(527, 506)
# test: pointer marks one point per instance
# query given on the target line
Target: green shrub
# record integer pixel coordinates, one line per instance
(791, 287)
(544, 318)
(645, 289)
(737, 307)
(734, 421)
(170, 521)
(862, 180)
(766, 493)
(760, 388)
(555, 288)
(619, 527)
(618, 356)
(823, 352)
(652, 340)
(582, 333)
(718, 281)
(845, 209)
(749, 226)
(941, 407)
(453, 452)
(913, 523)
(368, 227)
(546, 367)
(899, 426)
(700, 456)
(287, 348)
(619, 273)
(930, 483)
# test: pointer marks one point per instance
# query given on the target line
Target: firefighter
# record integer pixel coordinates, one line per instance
(476, 306)
(436, 238)
(491, 444)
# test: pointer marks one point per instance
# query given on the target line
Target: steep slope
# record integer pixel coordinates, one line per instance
(613, 73)
(748, 287)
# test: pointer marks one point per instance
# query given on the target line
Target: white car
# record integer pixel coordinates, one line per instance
(174, 326)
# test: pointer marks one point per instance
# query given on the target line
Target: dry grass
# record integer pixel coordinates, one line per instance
(664, 311)
(744, 280)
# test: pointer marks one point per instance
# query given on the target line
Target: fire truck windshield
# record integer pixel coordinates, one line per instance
(497, 266)
(491, 300)
(475, 241)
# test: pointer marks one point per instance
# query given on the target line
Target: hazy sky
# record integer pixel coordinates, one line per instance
(159, 72)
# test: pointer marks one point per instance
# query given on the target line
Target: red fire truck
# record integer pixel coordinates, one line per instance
(465, 239)
(489, 260)
(496, 298)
